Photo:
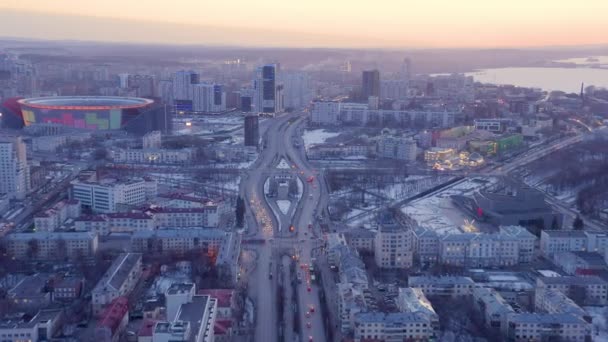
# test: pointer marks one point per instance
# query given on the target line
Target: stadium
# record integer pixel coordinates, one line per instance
(134, 114)
(93, 113)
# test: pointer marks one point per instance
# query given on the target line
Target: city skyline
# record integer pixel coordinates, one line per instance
(473, 24)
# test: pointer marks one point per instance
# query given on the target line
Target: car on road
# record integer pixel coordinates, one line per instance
(308, 325)
(309, 338)
(311, 308)
(307, 314)
(309, 289)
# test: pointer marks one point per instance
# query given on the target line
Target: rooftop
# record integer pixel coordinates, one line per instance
(447, 280)
(394, 319)
(179, 288)
(572, 280)
(51, 236)
(113, 315)
(85, 102)
(414, 300)
(182, 233)
(194, 312)
(223, 296)
(546, 318)
(118, 272)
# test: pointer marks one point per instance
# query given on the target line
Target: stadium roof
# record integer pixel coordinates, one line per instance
(85, 102)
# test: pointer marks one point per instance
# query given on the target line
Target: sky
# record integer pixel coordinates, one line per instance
(314, 23)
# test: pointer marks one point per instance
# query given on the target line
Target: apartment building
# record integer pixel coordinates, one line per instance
(413, 300)
(442, 286)
(590, 290)
(51, 245)
(51, 219)
(180, 240)
(393, 247)
(119, 280)
(523, 327)
(554, 302)
(556, 241)
(492, 308)
(398, 326)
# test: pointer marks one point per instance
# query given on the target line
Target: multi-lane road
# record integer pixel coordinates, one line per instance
(262, 224)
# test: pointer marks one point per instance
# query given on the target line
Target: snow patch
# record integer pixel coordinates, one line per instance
(283, 165)
(317, 136)
(284, 206)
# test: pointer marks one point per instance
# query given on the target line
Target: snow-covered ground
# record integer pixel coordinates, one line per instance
(284, 206)
(317, 136)
(436, 211)
(283, 165)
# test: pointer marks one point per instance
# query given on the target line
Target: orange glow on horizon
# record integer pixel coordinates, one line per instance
(337, 23)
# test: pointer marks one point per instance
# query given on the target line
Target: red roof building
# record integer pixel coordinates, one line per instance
(113, 320)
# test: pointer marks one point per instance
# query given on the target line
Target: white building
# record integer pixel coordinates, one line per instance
(402, 148)
(51, 245)
(523, 327)
(154, 156)
(398, 326)
(492, 307)
(298, 89)
(53, 218)
(394, 89)
(393, 247)
(152, 140)
(119, 280)
(361, 115)
(413, 300)
(325, 112)
(207, 217)
(42, 327)
(492, 125)
(190, 317)
(105, 196)
(426, 246)
(208, 98)
(554, 302)
(183, 82)
(511, 246)
(14, 171)
(443, 286)
(591, 290)
(268, 92)
(351, 301)
(213, 241)
(556, 241)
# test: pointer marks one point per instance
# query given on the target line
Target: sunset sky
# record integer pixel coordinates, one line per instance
(313, 23)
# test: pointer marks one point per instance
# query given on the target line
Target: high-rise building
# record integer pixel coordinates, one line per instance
(208, 98)
(183, 82)
(14, 173)
(268, 92)
(144, 85)
(371, 84)
(252, 130)
(406, 69)
(298, 89)
(165, 91)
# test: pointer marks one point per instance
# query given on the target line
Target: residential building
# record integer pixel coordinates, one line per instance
(497, 126)
(359, 114)
(42, 327)
(51, 219)
(361, 239)
(113, 321)
(252, 130)
(553, 242)
(180, 240)
(591, 290)
(106, 195)
(208, 98)
(14, 172)
(154, 156)
(370, 84)
(298, 89)
(334, 242)
(402, 148)
(396, 326)
(192, 317)
(478, 250)
(492, 308)
(393, 247)
(205, 217)
(268, 92)
(152, 140)
(394, 89)
(413, 300)
(183, 83)
(555, 302)
(580, 263)
(351, 301)
(67, 288)
(442, 286)
(522, 327)
(119, 280)
(51, 245)
(426, 246)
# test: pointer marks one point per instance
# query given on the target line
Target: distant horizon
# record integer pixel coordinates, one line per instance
(473, 29)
